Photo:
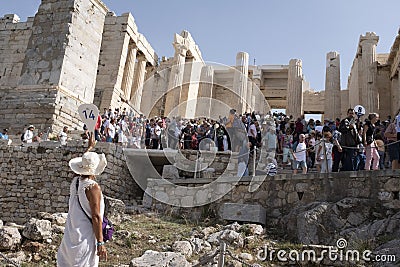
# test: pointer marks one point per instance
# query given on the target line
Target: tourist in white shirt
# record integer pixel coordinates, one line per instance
(300, 155)
(110, 131)
(62, 137)
(28, 136)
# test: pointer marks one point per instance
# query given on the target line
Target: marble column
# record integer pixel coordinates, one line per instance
(368, 58)
(240, 80)
(394, 93)
(250, 86)
(254, 83)
(204, 96)
(137, 88)
(186, 82)
(175, 80)
(129, 71)
(332, 86)
(295, 89)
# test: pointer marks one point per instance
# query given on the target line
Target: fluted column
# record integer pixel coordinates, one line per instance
(395, 93)
(295, 89)
(129, 71)
(250, 85)
(137, 88)
(240, 80)
(175, 79)
(186, 83)
(332, 86)
(368, 93)
(204, 96)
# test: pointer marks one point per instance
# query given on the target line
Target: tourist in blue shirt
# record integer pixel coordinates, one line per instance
(4, 134)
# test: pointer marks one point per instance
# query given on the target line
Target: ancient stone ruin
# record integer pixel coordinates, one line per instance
(74, 52)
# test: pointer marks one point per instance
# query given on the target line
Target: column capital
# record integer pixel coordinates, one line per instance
(369, 37)
(141, 57)
(180, 49)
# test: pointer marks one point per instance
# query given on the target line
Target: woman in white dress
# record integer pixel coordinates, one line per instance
(82, 244)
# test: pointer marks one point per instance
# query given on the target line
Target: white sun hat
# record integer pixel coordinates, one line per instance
(90, 163)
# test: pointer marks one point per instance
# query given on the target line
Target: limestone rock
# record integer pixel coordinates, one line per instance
(59, 218)
(57, 229)
(160, 259)
(231, 237)
(183, 247)
(37, 229)
(309, 222)
(114, 209)
(208, 231)
(321, 222)
(384, 227)
(14, 225)
(253, 229)
(199, 245)
(9, 238)
(56, 218)
(234, 227)
(170, 172)
(17, 257)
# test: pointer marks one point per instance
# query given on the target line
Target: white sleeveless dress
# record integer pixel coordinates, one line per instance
(78, 246)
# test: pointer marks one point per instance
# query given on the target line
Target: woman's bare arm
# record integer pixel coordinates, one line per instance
(93, 194)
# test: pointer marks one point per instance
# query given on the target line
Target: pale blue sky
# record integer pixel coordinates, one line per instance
(272, 32)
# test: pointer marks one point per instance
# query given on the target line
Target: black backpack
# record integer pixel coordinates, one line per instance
(22, 137)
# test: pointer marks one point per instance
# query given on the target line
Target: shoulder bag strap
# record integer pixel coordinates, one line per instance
(77, 185)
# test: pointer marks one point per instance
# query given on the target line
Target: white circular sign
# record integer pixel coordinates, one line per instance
(89, 114)
(359, 110)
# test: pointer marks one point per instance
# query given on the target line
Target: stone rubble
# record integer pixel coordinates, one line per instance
(313, 224)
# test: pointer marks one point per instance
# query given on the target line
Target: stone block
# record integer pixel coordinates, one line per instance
(243, 213)
(208, 173)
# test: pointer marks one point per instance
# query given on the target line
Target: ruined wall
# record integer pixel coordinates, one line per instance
(14, 38)
(37, 178)
(282, 193)
(112, 61)
(54, 58)
(64, 47)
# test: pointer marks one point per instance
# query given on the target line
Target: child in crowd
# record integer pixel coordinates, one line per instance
(300, 155)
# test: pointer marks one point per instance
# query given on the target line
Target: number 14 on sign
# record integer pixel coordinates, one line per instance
(89, 114)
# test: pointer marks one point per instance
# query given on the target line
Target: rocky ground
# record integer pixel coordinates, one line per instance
(146, 238)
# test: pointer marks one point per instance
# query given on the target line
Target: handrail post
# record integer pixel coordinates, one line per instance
(222, 249)
(254, 161)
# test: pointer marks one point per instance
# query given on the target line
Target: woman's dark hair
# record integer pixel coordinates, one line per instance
(372, 115)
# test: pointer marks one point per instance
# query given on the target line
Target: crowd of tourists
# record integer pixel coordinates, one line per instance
(336, 145)
(347, 144)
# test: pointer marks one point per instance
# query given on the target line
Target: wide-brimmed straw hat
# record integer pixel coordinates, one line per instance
(90, 163)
